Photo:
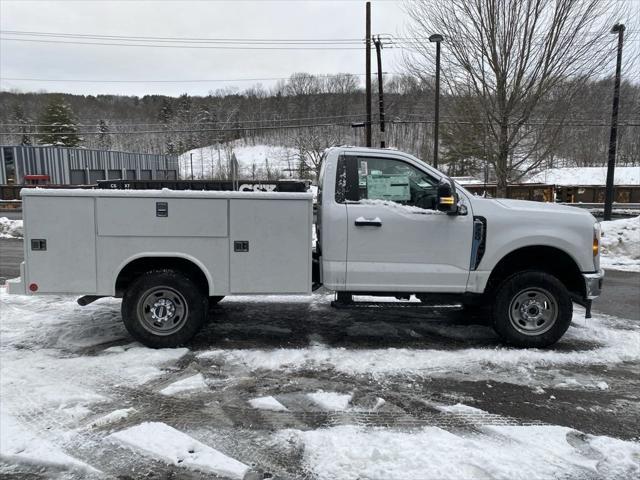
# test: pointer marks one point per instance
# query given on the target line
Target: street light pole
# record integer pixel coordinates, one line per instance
(437, 39)
(191, 158)
(613, 138)
(378, 44)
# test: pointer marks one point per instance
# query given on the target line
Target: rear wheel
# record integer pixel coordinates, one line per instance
(532, 309)
(163, 308)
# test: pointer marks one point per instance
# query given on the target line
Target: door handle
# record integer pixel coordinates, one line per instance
(368, 222)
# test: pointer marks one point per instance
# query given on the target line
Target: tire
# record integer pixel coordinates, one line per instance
(215, 300)
(532, 309)
(164, 308)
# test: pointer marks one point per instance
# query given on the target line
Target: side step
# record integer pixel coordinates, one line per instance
(391, 306)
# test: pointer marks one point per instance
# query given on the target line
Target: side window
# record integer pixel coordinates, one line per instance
(395, 181)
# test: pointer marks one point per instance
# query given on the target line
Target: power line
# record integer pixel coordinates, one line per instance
(208, 47)
(242, 40)
(290, 127)
(288, 119)
(25, 79)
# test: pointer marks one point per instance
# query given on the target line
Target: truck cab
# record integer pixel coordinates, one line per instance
(387, 225)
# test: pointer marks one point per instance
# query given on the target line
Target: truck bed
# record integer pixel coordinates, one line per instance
(78, 241)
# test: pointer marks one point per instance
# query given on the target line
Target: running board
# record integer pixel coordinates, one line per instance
(390, 306)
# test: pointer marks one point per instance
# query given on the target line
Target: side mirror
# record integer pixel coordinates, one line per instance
(447, 197)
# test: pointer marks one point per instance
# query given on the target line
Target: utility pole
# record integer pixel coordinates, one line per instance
(437, 38)
(191, 158)
(378, 44)
(613, 139)
(368, 74)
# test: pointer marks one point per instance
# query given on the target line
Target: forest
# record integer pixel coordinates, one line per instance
(310, 113)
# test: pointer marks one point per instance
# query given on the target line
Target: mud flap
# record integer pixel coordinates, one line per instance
(587, 309)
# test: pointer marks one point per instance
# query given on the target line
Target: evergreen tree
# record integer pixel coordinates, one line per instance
(104, 139)
(20, 119)
(58, 125)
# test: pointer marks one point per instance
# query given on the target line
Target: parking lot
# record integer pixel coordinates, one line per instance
(291, 387)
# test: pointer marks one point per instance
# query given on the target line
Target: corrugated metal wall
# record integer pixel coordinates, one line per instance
(58, 162)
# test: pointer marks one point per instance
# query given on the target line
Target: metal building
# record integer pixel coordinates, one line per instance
(79, 166)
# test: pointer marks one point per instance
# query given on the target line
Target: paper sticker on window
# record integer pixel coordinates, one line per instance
(388, 187)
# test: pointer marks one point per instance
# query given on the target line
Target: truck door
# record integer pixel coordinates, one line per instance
(397, 240)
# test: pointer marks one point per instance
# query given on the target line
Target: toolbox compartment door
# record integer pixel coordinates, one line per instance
(270, 246)
(63, 257)
(162, 217)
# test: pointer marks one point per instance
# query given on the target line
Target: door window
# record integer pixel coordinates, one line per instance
(385, 179)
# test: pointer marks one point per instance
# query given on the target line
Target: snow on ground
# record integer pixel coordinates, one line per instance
(10, 228)
(208, 160)
(497, 452)
(21, 445)
(165, 443)
(189, 384)
(520, 366)
(113, 417)
(331, 400)
(267, 403)
(621, 244)
(37, 381)
(69, 377)
(585, 176)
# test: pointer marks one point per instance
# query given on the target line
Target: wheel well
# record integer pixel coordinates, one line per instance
(548, 259)
(139, 266)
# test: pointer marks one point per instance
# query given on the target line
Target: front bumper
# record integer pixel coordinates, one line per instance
(593, 284)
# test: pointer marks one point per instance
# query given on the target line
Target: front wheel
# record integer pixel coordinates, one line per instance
(163, 309)
(532, 309)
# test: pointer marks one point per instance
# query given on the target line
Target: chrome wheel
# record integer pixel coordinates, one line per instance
(162, 311)
(533, 311)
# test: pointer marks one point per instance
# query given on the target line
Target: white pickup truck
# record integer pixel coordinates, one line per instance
(387, 225)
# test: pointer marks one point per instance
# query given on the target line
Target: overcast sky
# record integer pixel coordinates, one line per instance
(267, 19)
(200, 19)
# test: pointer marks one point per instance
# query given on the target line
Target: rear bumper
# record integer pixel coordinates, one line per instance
(593, 284)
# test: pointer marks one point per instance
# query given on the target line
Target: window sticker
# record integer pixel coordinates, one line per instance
(388, 187)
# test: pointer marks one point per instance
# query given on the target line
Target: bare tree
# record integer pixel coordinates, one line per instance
(303, 84)
(342, 83)
(522, 61)
(311, 144)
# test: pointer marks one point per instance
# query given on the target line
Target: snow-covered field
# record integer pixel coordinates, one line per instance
(288, 386)
(210, 161)
(585, 176)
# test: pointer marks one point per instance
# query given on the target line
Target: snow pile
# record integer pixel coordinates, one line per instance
(504, 452)
(195, 382)
(11, 228)
(267, 403)
(113, 417)
(331, 401)
(621, 244)
(585, 176)
(165, 443)
(210, 161)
